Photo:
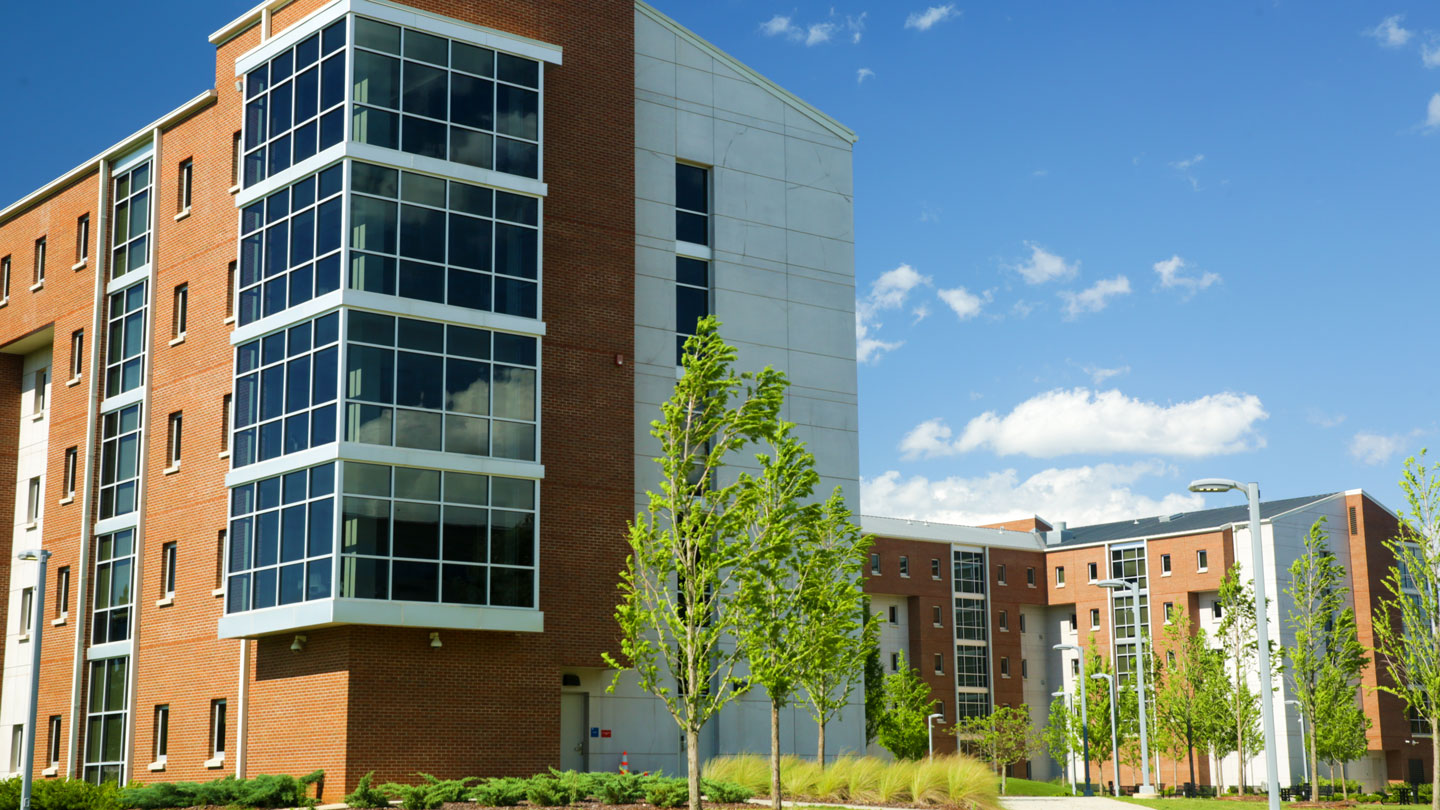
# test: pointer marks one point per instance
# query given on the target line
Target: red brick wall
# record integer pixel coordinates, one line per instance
(924, 593)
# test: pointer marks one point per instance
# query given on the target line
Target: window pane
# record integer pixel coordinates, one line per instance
(365, 526)
(425, 91)
(472, 101)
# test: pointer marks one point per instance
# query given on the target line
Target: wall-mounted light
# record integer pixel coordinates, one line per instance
(435, 640)
(299, 643)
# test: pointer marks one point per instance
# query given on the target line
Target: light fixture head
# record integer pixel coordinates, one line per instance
(33, 554)
(1214, 485)
(299, 643)
(1057, 694)
(936, 716)
(1075, 647)
(435, 640)
(1112, 583)
(1100, 676)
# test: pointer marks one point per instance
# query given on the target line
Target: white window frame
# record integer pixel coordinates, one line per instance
(34, 493)
(904, 566)
(1000, 574)
(162, 733)
(174, 435)
(179, 313)
(39, 398)
(27, 610)
(1164, 565)
(1059, 576)
(1202, 560)
(1094, 618)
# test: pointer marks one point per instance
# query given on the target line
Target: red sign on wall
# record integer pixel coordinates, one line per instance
(604, 732)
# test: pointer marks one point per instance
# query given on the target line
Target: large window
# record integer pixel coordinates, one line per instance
(424, 536)
(1129, 564)
(293, 104)
(114, 568)
(969, 572)
(105, 726)
(119, 461)
(290, 246)
(972, 704)
(282, 540)
(125, 347)
(444, 99)
(285, 390)
(971, 667)
(131, 235)
(692, 299)
(430, 386)
(692, 204)
(969, 619)
(421, 237)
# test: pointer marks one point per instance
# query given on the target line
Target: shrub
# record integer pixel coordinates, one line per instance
(505, 791)
(74, 794)
(718, 790)
(224, 791)
(440, 791)
(668, 792)
(620, 788)
(283, 790)
(264, 791)
(576, 785)
(412, 797)
(365, 796)
(546, 791)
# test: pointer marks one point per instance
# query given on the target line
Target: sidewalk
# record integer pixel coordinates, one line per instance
(1063, 803)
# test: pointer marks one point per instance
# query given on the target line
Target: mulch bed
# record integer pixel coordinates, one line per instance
(593, 806)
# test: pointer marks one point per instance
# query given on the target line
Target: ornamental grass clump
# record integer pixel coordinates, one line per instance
(952, 780)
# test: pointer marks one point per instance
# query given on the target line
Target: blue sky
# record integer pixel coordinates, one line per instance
(1101, 248)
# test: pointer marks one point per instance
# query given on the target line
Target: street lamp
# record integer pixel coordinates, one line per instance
(1146, 789)
(1304, 741)
(930, 730)
(1069, 769)
(1084, 720)
(27, 778)
(1262, 622)
(1114, 744)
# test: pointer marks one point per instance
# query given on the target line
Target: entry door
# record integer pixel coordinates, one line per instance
(1417, 772)
(574, 731)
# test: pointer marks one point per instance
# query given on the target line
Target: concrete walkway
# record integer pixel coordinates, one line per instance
(1063, 803)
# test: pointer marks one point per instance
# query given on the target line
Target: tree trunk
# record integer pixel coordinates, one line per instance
(775, 754)
(820, 745)
(1314, 765)
(1344, 788)
(692, 764)
(1434, 768)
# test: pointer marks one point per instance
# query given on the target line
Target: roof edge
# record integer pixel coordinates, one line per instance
(39, 195)
(246, 21)
(784, 95)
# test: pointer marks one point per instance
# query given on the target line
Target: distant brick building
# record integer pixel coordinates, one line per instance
(328, 390)
(978, 611)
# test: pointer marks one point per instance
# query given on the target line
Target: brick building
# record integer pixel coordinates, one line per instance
(978, 611)
(328, 390)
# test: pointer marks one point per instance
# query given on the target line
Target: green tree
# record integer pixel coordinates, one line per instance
(1183, 703)
(1002, 738)
(874, 678)
(1238, 640)
(1407, 628)
(903, 729)
(836, 626)
(690, 545)
(773, 588)
(1326, 659)
(1344, 726)
(1061, 737)
(1217, 732)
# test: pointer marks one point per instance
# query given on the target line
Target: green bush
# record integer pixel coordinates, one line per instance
(262, 792)
(73, 794)
(620, 788)
(544, 790)
(719, 790)
(577, 786)
(366, 797)
(446, 790)
(668, 792)
(412, 797)
(505, 791)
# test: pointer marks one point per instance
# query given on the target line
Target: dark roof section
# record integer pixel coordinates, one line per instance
(1179, 523)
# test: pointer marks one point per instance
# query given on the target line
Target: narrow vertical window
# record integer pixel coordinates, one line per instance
(42, 387)
(1202, 560)
(1094, 618)
(32, 501)
(874, 565)
(894, 615)
(692, 204)
(52, 741)
(230, 291)
(935, 617)
(181, 312)
(27, 610)
(17, 746)
(1164, 564)
(82, 238)
(39, 261)
(162, 733)
(1060, 576)
(692, 299)
(62, 592)
(220, 560)
(72, 462)
(217, 728)
(177, 422)
(1000, 574)
(1004, 621)
(5, 279)
(934, 568)
(1004, 667)
(225, 403)
(939, 664)
(904, 566)
(168, 559)
(187, 176)
(77, 353)
(235, 160)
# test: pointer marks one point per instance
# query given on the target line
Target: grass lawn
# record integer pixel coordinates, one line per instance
(1215, 804)
(1027, 787)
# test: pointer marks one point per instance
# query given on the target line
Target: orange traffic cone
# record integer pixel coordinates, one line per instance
(624, 761)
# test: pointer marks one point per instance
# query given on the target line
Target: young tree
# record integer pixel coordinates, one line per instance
(677, 592)
(836, 626)
(1061, 736)
(874, 678)
(1407, 630)
(771, 591)
(1183, 703)
(904, 729)
(1002, 738)
(1326, 658)
(1217, 732)
(1237, 635)
(1343, 726)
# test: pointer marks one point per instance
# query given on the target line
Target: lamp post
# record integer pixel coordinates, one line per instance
(1069, 769)
(1262, 622)
(27, 778)
(930, 731)
(1146, 789)
(1084, 719)
(1304, 741)
(1114, 744)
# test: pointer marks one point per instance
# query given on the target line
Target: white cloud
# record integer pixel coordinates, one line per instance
(1390, 33)
(1184, 167)
(1022, 308)
(1432, 113)
(856, 26)
(921, 312)
(1170, 276)
(1430, 53)
(888, 292)
(1095, 298)
(775, 26)
(1078, 495)
(1044, 266)
(815, 33)
(930, 17)
(965, 303)
(1315, 416)
(862, 74)
(820, 32)
(1100, 375)
(1062, 422)
(1377, 448)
